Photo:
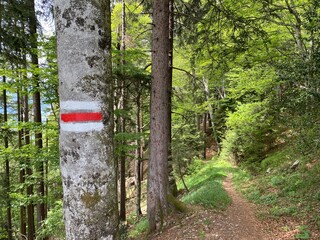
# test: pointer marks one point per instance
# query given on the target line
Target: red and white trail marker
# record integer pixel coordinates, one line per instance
(80, 116)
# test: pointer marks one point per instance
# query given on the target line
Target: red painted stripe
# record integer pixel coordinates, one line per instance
(81, 117)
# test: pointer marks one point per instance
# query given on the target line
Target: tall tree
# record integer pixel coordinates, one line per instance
(23, 224)
(172, 180)
(158, 182)
(123, 191)
(87, 163)
(139, 153)
(29, 171)
(41, 212)
(7, 164)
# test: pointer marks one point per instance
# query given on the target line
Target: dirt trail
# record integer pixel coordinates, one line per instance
(238, 222)
(240, 217)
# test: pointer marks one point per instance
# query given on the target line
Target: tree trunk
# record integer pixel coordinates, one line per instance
(87, 163)
(123, 192)
(41, 214)
(297, 28)
(30, 207)
(158, 182)
(23, 225)
(138, 156)
(205, 136)
(197, 121)
(46, 168)
(211, 116)
(172, 180)
(7, 165)
(142, 143)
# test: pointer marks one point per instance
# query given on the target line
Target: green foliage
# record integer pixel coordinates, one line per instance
(186, 144)
(206, 188)
(196, 165)
(3, 232)
(275, 160)
(284, 191)
(53, 226)
(141, 227)
(126, 137)
(304, 232)
(250, 85)
(210, 195)
(137, 29)
(48, 72)
(249, 132)
(279, 211)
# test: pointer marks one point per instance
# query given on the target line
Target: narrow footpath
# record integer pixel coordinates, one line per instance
(238, 222)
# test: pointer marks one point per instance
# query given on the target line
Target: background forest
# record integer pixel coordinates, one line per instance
(246, 88)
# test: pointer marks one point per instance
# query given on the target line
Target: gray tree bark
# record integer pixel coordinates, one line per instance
(158, 182)
(87, 163)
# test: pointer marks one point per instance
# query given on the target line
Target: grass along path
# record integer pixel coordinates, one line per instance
(237, 222)
(218, 211)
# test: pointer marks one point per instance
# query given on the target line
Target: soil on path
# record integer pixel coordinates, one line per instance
(238, 222)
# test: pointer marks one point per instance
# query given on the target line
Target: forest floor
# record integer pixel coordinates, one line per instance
(237, 222)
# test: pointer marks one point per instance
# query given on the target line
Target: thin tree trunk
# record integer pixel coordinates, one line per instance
(30, 207)
(214, 132)
(118, 106)
(23, 225)
(87, 162)
(7, 164)
(158, 182)
(41, 214)
(123, 119)
(142, 140)
(182, 179)
(122, 185)
(194, 90)
(297, 28)
(138, 157)
(47, 169)
(205, 136)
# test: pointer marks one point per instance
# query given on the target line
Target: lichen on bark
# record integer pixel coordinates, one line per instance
(90, 200)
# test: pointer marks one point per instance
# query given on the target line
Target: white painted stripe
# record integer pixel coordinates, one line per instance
(81, 127)
(79, 105)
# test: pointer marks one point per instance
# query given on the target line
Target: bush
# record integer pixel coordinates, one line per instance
(53, 226)
(249, 133)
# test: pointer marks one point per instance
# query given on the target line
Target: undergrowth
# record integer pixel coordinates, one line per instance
(283, 190)
(205, 188)
(205, 185)
(141, 226)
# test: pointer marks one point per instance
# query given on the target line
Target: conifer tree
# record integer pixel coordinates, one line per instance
(158, 182)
